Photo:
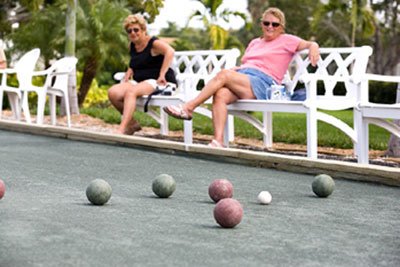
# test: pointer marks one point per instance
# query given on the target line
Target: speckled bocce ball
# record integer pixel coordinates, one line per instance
(228, 212)
(323, 185)
(2, 189)
(220, 189)
(98, 192)
(164, 185)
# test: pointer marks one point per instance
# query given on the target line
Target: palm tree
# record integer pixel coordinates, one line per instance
(42, 30)
(70, 37)
(334, 16)
(362, 19)
(99, 35)
(210, 15)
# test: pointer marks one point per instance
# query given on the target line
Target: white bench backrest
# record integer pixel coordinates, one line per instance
(336, 65)
(193, 67)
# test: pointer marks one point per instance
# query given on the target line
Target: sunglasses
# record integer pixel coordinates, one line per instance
(274, 24)
(135, 30)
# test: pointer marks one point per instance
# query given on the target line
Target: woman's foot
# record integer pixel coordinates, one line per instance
(179, 112)
(130, 129)
(215, 144)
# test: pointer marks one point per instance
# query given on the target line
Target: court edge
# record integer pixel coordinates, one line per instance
(337, 169)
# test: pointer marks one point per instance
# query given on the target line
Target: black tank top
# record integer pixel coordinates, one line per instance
(145, 66)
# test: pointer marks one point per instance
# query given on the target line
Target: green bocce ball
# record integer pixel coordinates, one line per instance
(323, 185)
(98, 192)
(164, 185)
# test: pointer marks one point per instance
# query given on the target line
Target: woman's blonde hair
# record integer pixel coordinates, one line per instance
(135, 19)
(276, 12)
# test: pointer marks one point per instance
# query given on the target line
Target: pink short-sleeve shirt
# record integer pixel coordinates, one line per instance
(271, 57)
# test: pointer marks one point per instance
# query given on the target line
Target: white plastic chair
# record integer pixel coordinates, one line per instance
(56, 84)
(24, 70)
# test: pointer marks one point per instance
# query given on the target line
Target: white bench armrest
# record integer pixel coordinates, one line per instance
(7, 71)
(119, 76)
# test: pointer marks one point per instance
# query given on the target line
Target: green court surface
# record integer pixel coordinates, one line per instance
(46, 219)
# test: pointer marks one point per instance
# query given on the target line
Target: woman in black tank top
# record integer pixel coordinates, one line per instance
(149, 66)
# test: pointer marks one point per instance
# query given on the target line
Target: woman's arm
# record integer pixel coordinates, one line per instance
(161, 47)
(313, 53)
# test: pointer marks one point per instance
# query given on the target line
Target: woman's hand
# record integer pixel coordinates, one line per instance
(313, 53)
(161, 80)
(128, 75)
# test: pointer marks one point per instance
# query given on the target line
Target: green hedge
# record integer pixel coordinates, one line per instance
(380, 92)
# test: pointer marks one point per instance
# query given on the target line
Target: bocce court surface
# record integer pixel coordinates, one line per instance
(46, 219)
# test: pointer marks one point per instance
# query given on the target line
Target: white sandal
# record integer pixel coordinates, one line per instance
(215, 144)
(177, 112)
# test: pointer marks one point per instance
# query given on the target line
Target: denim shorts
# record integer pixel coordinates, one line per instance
(260, 82)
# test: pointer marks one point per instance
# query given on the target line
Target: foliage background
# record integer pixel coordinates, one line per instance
(101, 44)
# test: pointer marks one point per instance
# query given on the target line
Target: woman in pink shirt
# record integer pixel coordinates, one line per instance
(264, 63)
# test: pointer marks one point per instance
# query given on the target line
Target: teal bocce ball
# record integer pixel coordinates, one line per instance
(98, 192)
(323, 185)
(164, 185)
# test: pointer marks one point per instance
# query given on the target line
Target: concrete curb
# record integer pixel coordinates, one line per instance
(337, 169)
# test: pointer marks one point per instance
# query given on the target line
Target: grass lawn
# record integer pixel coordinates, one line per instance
(288, 127)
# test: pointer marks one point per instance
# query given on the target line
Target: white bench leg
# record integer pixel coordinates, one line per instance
(163, 122)
(227, 129)
(231, 130)
(364, 144)
(268, 131)
(188, 132)
(312, 133)
(362, 147)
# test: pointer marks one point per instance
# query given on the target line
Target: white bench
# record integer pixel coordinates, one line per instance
(193, 69)
(337, 65)
(372, 113)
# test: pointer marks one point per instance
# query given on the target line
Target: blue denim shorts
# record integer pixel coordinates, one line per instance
(260, 82)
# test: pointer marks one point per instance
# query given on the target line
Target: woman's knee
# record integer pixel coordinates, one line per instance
(222, 96)
(223, 75)
(113, 92)
(130, 92)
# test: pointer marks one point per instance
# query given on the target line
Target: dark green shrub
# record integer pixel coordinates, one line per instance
(381, 92)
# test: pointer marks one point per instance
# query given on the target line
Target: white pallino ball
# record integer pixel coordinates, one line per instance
(264, 197)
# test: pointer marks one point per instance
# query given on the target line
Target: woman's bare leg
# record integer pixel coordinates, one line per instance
(237, 83)
(221, 99)
(116, 95)
(128, 124)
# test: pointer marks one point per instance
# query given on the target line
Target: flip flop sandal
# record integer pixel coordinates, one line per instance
(177, 112)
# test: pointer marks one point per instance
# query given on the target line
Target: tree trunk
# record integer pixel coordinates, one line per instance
(89, 72)
(394, 142)
(70, 37)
